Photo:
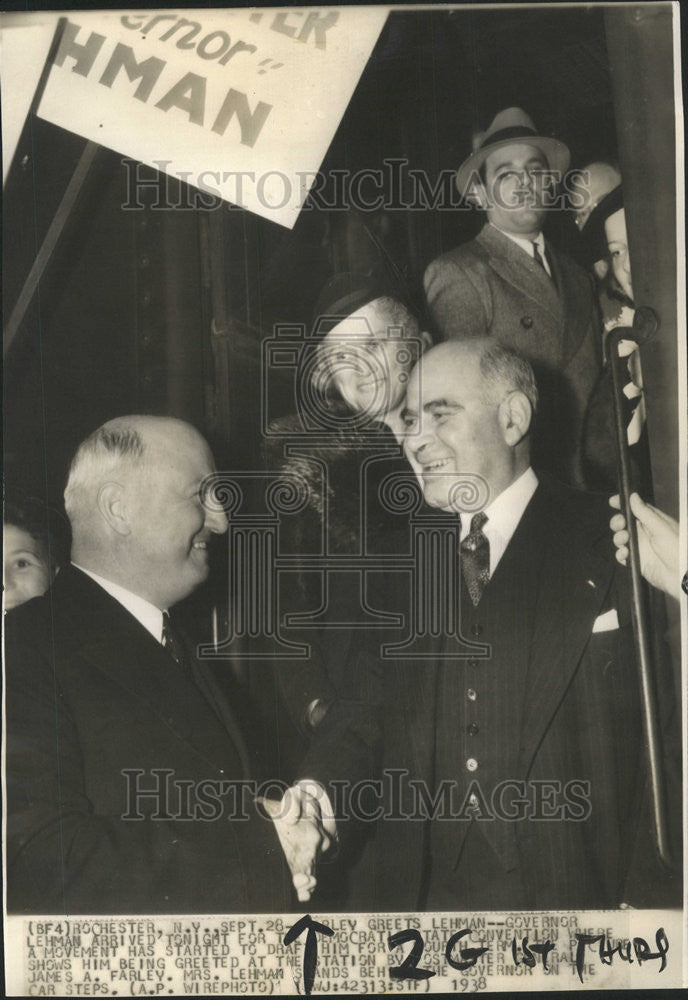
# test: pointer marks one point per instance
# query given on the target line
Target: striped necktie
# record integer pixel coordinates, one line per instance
(174, 645)
(537, 257)
(475, 558)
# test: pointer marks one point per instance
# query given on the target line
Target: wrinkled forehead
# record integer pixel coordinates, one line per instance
(439, 377)
(178, 452)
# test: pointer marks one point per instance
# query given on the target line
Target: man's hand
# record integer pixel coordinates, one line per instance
(299, 825)
(657, 542)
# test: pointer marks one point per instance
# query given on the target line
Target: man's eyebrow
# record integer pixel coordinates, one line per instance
(510, 163)
(436, 404)
(344, 339)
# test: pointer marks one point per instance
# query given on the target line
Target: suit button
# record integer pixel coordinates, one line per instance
(476, 629)
(473, 729)
(526, 322)
(471, 764)
(471, 694)
(472, 664)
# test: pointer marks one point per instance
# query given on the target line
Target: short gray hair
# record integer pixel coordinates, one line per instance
(503, 366)
(95, 458)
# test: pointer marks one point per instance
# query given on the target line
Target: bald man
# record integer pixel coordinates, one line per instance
(128, 777)
(525, 760)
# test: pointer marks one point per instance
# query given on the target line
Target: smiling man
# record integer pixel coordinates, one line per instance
(531, 747)
(125, 756)
(512, 284)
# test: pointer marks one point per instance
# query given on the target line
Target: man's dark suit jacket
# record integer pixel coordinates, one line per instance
(90, 693)
(491, 287)
(577, 716)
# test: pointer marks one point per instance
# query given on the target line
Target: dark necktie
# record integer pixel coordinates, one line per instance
(537, 257)
(174, 645)
(475, 558)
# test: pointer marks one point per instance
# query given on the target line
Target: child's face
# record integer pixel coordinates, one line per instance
(26, 571)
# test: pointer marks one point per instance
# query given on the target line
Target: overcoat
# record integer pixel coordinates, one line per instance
(491, 287)
(95, 707)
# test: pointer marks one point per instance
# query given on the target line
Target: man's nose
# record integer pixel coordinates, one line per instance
(420, 438)
(216, 521)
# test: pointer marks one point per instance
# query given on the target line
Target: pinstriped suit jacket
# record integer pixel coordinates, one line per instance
(580, 720)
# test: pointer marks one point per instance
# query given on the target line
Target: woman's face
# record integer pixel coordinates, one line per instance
(26, 572)
(369, 358)
(617, 244)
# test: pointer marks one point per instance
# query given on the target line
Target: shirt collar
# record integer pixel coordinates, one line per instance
(526, 245)
(143, 611)
(504, 514)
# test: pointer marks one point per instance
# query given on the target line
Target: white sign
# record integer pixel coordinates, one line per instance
(242, 104)
(24, 47)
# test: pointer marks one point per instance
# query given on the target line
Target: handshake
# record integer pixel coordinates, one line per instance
(306, 829)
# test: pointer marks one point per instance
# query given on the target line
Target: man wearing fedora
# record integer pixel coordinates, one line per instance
(512, 284)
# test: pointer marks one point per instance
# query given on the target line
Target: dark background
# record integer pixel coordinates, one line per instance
(122, 319)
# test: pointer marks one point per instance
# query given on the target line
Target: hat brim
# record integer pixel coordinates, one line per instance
(555, 152)
(349, 291)
(593, 234)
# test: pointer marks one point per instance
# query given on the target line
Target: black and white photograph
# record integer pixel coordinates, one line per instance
(345, 554)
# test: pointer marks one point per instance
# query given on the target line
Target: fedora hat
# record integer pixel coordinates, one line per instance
(511, 126)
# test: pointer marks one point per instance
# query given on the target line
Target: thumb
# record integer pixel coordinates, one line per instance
(290, 807)
(271, 807)
(286, 810)
(651, 519)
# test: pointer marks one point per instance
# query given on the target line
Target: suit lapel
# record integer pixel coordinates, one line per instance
(518, 269)
(574, 581)
(113, 642)
(574, 293)
(208, 682)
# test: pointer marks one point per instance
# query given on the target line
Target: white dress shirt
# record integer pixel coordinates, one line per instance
(527, 245)
(503, 515)
(143, 611)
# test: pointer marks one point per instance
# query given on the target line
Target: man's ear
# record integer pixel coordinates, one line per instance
(113, 508)
(515, 417)
(426, 340)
